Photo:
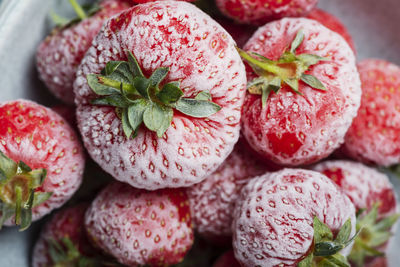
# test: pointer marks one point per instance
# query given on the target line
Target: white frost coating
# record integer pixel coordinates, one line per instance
(274, 216)
(362, 184)
(319, 120)
(203, 57)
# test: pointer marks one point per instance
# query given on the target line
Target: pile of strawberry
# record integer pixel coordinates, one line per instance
(213, 137)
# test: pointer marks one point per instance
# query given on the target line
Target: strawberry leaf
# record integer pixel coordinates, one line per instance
(313, 81)
(307, 261)
(344, 233)
(7, 167)
(157, 118)
(170, 93)
(157, 76)
(135, 113)
(197, 108)
(294, 84)
(40, 198)
(203, 95)
(297, 41)
(99, 88)
(273, 86)
(134, 65)
(126, 126)
(321, 231)
(310, 59)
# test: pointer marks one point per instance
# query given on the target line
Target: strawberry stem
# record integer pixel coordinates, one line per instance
(18, 204)
(78, 9)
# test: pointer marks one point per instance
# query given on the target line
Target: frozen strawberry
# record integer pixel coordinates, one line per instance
(164, 111)
(303, 91)
(141, 227)
(332, 23)
(260, 12)
(227, 260)
(147, 1)
(60, 54)
(292, 218)
(41, 162)
(212, 201)
(374, 136)
(63, 241)
(371, 191)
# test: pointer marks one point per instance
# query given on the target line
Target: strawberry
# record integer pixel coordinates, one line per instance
(262, 11)
(140, 227)
(60, 54)
(332, 23)
(293, 217)
(164, 111)
(63, 241)
(304, 91)
(41, 162)
(212, 201)
(241, 33)
(374, 136)
(227, 260)
(369, 190)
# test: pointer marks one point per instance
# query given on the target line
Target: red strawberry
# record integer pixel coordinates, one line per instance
(288, 217)
(304, 91)
(174, 46)
(332, 23)
(41, 161)
(141, 227)
(227, 260)
(260, 12)
(374, 136)
(212, 201)
(63, 241)
(370, 190)
(60, 54)
(147, 1)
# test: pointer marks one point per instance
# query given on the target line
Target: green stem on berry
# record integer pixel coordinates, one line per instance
(289, 69)
(78, 9)
(140, 100)
(17, 191)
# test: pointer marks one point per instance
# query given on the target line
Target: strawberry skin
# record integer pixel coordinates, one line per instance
(273, 219)
(64, 224)
(41, 138)
(363, 185)
(374, 136)
(212, 201)
(201, 55)
(260, 12)
(296, 129)
(141, 227)
(60, 54)
(332, 23)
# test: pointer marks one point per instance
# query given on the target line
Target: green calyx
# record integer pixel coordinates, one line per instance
(373, 234)
(138, 99)
(289, 69)
(17, 191)
(82, 12)
(325, 250)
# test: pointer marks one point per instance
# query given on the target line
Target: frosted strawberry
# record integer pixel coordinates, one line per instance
(159, 95)
(260, 12)
(241, 33)
(332, 23)
(293, 217)
(41, 162)
(374, 136)
(212, 201)
(60, 54)
(374, 197)
(63, 241)
(141, 227)
(304, 91)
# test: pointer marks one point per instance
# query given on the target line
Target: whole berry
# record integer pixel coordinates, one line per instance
(303, 91)
(289, 217)
(41, 162)
(60, 54)
(212, 201)
(374, 134)
(164, 111)
(332, 23)
(141, 227)
(260, 12)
